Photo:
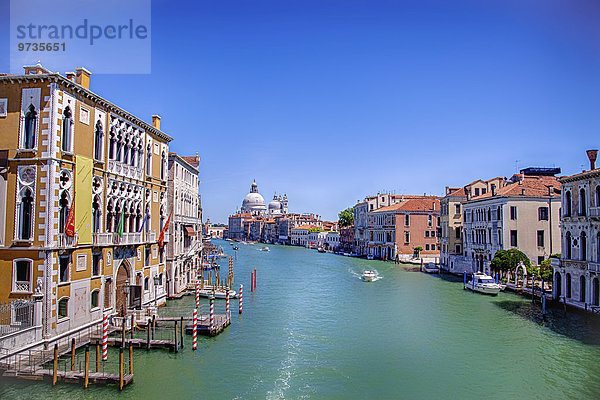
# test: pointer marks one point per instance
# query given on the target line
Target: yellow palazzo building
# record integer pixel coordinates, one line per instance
(63, 146)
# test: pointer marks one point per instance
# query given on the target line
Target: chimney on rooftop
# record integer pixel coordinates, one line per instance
(493, 186)
(156, 121)
(523, 192)
(447, 190)
(550, 190)
(83, 77)
(70, 76)
(592, 154)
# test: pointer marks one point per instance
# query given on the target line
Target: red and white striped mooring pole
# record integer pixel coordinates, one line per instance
(212, 313)
(105, 338)
(241, 292)
(227, 305)
(195, 332)
(197, 295)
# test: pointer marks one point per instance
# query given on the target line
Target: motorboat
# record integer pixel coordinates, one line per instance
(235, 248)
(320, 249)
(431, 268)
(369, 256)
(368, 276)
(483, 283)
(265, 249)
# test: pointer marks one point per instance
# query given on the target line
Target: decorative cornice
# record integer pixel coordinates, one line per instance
(57, 78)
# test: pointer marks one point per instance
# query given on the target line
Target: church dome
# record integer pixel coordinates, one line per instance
(253, 201)
(274, 206)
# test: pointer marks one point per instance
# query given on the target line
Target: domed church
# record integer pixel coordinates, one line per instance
(253, 202)
(279, 205)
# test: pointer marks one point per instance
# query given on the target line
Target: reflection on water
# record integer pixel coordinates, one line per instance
(573, 324)
(313, 330)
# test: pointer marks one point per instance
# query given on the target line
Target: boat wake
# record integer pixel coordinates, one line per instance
(358, 275)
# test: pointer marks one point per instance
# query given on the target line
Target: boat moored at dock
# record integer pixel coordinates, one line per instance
(484, 284)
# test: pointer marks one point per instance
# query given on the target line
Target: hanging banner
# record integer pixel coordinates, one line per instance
(83, 201)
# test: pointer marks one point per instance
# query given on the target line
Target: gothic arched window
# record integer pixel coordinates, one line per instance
(26, 215)
(582, 205)
(67, 125)
(98, 139)
(30, 128)
(63, 212)
(96, 214)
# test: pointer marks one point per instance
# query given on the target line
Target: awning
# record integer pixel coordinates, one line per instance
(190, 231)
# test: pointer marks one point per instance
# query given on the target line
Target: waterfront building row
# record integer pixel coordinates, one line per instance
(83, 201)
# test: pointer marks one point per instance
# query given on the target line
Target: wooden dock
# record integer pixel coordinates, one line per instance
(142, 343)
(39, 374)
(220, 323)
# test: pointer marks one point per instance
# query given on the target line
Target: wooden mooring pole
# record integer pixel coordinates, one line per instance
(73, 354)
(181, 332)
(148, 327)
(176, 347)
(130, 358)
(97, 356)
(55, 365)
(123, 333)
(121, 368)
(132, 324)
(87, 366)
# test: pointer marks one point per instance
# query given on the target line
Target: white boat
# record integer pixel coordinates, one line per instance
(369, 256)
(483, 283)
(368, 276)
(265, 249)
(431, 268)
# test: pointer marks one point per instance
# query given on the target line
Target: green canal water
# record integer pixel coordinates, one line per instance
(314, 330)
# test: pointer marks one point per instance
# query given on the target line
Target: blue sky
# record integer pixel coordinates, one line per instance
(330, 101)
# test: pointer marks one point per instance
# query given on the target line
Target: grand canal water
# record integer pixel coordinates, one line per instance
(314, 330)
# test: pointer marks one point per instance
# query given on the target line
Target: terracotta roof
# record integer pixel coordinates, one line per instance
(571, 177)
(192, 160)
(457, 192)
(241, 215)
(532, 185)
(304, 227)
(418, 204)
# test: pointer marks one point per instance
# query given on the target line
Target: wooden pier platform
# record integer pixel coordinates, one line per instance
(220, 323)
(39, 374)
(142, 343)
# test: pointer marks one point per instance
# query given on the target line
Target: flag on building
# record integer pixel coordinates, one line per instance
(144, 221)
(121, 224)
(70, 224)
(161, 237)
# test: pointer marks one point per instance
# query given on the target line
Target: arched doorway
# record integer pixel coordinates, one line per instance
(596, 299)
(582, 288)
(558, 285)
(121, 281)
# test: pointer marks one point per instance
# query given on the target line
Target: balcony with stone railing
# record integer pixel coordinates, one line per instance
(150, 237)
(575, 264)
(595, 212)
(128, 171)
(102, 239)
(128, 238)
(65, 241)
(594, 267)
(22, 287)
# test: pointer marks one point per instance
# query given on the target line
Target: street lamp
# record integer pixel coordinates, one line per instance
(126, 290)
(155, 288)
